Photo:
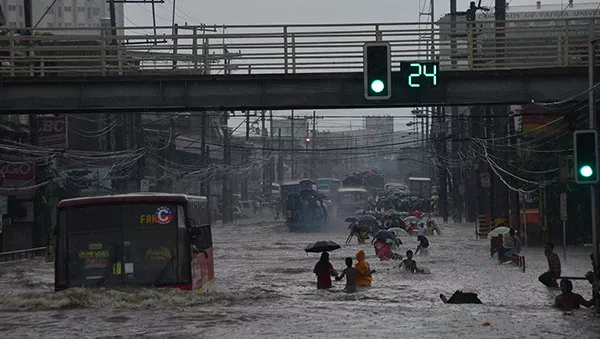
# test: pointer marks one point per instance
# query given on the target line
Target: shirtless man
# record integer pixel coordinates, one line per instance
(568, 300)
(409, 264)
(351, 274)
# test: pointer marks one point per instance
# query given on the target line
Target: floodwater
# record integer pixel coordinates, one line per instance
(265, 288)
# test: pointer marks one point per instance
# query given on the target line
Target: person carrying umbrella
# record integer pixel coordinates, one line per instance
(324, 270)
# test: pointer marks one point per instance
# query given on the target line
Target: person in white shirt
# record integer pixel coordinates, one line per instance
(508, 245)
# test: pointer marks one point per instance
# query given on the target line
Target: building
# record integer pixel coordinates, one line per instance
(550, 47)
(64, 13)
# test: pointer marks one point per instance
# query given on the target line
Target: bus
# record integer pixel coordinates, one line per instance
(143, 239)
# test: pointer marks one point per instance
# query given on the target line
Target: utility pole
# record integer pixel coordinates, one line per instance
(293, 148)
(501, 121)
(592, 115)
(312, 141)
(280, 175)
(203, 182)
(139, 141)
(265, 180)
(27, 13)
(456, 171)
(245, 179)
(38, 207)
(443, 175)
(113, 21)
(227, 193)
(272, 177)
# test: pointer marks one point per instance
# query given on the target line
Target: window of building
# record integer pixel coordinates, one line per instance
(67, 9)
(68, 24)
(12, 24)
(12, 8)
(20, 10)
(60, 12)
(60, 24)
(96, 11)
(89, 12)
(50, 24)
(81, 25)
(80, 9)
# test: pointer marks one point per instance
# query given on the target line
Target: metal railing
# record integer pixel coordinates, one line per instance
(22, 254)
(481, 45)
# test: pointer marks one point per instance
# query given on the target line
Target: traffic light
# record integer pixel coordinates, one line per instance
(377, 70)
(586, 156)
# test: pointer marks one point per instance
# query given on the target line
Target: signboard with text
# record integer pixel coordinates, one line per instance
(52, 131)
(16, 168)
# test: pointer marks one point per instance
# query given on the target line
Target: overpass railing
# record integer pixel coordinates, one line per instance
(218, 50)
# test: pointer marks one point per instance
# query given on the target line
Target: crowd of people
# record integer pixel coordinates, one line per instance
(505, 245)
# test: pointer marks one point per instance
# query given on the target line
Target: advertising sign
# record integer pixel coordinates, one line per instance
(16, 169)
(52, 131)
(536, 121)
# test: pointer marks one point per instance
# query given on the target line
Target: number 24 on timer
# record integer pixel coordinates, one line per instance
(420, 72)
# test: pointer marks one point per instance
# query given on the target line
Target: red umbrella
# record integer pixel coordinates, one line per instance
(367, 217)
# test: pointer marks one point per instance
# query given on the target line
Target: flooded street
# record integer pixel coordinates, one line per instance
(265, 288)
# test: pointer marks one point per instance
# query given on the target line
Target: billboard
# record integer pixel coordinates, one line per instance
(52, 131)
(536, 120)
(16, 168)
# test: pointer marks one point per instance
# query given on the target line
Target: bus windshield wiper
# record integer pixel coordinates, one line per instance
(105, 272)
(164, 271)
(107, 268)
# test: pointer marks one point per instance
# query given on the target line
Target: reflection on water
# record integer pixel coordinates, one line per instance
(265, 288)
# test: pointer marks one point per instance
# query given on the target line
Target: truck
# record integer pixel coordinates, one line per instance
(420, 187)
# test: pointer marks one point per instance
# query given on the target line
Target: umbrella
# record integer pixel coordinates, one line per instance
(399, 214)
(499, 231)
(351, 219)
(409, 220)
(359, 212)
(368, 217)
(398, 232)
(385, 235)
(322, 246)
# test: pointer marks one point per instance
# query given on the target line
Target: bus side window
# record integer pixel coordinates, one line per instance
(197, 241)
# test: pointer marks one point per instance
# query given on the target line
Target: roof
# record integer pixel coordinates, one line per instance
(130, 197)
(342, 190)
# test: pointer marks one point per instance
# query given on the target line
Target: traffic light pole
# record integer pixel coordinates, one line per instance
(592, 113)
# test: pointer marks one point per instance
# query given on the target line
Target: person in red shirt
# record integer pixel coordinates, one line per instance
(324, 270)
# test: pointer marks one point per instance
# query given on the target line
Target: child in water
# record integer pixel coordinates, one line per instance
(351, 275)
(409, 264)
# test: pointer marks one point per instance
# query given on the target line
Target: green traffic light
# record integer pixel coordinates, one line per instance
(586, 171)
(377, 86)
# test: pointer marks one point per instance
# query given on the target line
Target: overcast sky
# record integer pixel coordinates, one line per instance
(305, 11)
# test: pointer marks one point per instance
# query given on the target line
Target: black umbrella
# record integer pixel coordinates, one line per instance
(322, 246)
(351, 219)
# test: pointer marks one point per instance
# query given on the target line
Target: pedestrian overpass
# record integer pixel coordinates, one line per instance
(289, 66)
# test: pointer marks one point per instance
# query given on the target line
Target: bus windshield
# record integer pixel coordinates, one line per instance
(122, 243)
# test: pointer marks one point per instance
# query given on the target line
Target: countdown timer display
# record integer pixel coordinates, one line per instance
(418, 75)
